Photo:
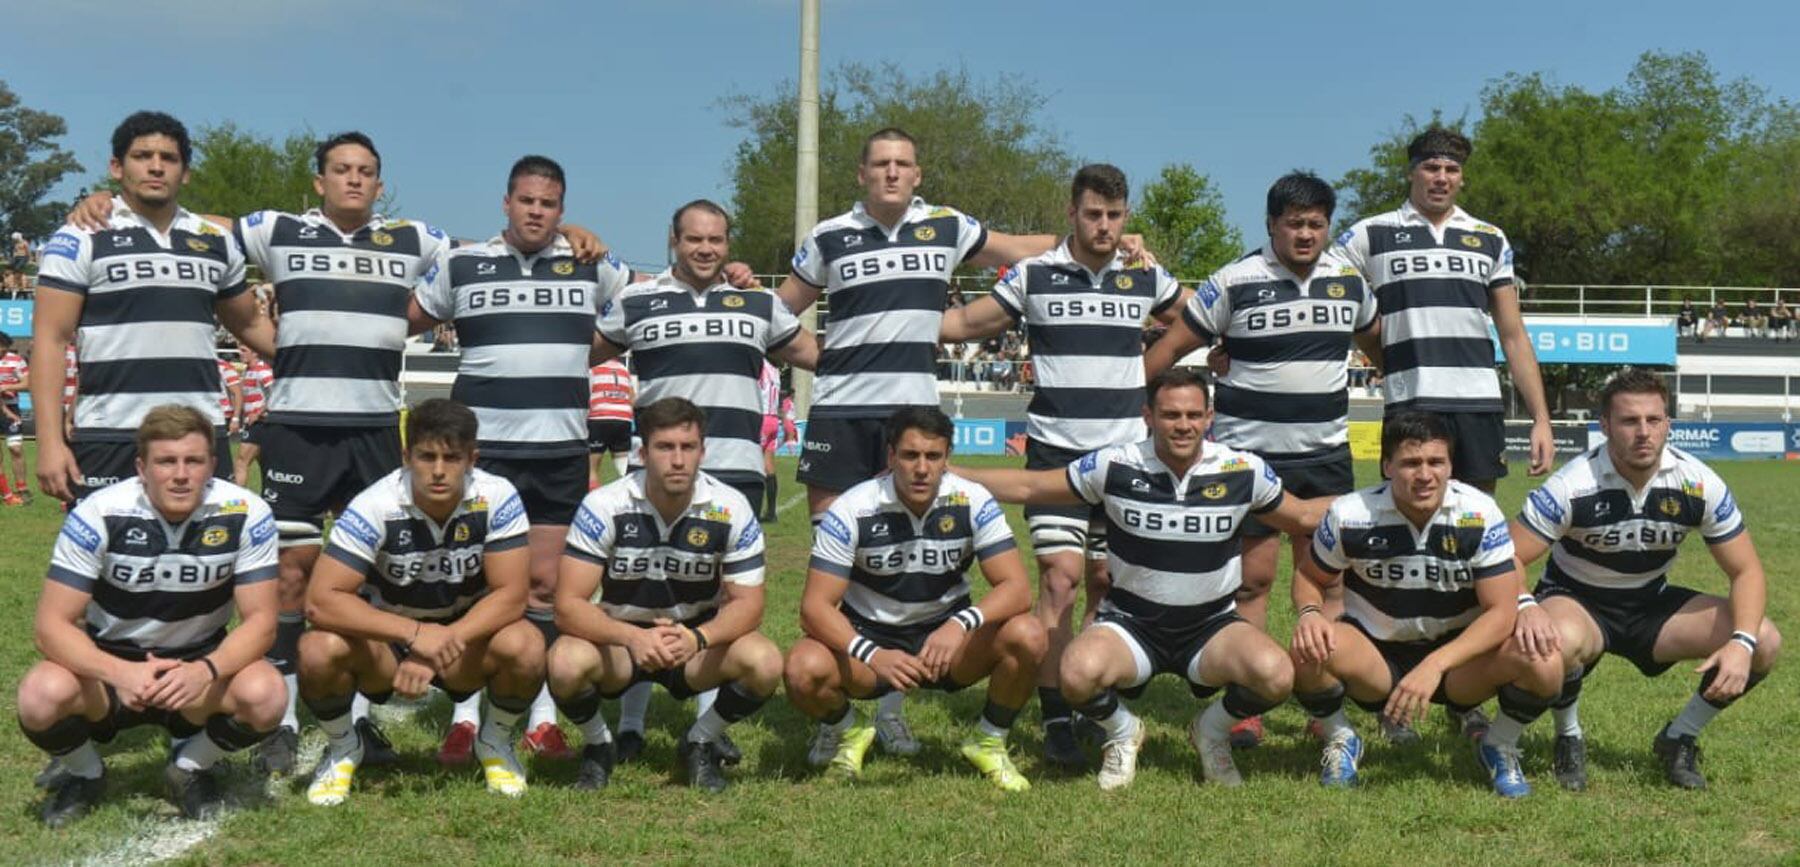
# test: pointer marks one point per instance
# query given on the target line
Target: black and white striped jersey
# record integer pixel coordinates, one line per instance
(1286, 395)
(1172, 541)
(342, 299)
(1405, 583)
(1086, 333)
(1433, 286)
(906, 570)
(526, 325)
(146, 335)
(1605, 533)
(669, 570)
(885, 292)
(157, 587)
(708, 347)
(411, 565)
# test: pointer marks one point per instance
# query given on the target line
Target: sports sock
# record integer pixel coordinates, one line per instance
(1327, 707)
(68, 741)
(543, 709)
(1563, 707)
(199, 753)
(1239, 703)
(290, 718)
(359, 707)
(83, 761)
(333, 714)
(284, 654)
(734, 703)
(1216, 721)
(467, 711)
(1568, 720)
(1518, 708)
(1110, 714)
(632, 707)
(619, 465)
(844, 718)
(4, 490)
(704, 702)
(584, 711)
(891, 704)
(1693, 717)
(500, 718)
(996, 721)
(221, 737)
(1052, 705)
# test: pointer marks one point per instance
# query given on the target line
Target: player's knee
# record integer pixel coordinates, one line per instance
(567, 664)
(1082, 672)
(1025, 639)
(260, 695)
(48, 693)
(1768, 646)
(1271, 672)
(809, 669)
(323, 652)
(760, 661)
(1255, 586)
(1056, 587)
(518, 648)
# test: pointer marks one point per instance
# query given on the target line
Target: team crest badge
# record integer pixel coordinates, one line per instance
(1450, 545)
(1334, 290)
(198, 246)
(1471, 242)
(215, 537)
(946, 524)
(461, 534)
(1122, 282)
(698, 537)
(1213, 491)
(925, 233)
(1670, 507)
(381, 239)
(733, 301)
(563, 268)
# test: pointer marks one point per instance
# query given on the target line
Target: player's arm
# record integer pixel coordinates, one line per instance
(508, 572)
(257, 603)
(417, 320)
(93, 213)
(1369, 341)
(577, 583)
(1521, 362)
(827, 579)
(1033, 487)
(797, 293)
(586, 246)
(1314, 638)
(1747, 598)
(77, 559)
(56, 313)
(1175, 344)
(983, 317)
(1497, 589)
(1170, 313)
(801, 350)
(1002, 249)
(234, 392)
(246, 321)
(1295, 516)
(333, 604)
(24, 383)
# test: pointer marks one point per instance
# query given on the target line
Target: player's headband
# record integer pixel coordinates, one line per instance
(1437, 155)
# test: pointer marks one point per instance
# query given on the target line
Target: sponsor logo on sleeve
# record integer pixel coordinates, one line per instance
(1727, 507)
(1208, 294)
(1347, 237)
(434, 232)
(589, 524)
(508, 512)
(1326, 535)
(84, 536)
(1495, 537)
(1088, 462)
(358, 527)
(1269, 475)
(255, 219)
(752, 532)
(989, 511)
(800, 256)
(834, 527)
(262, 531)
(62, 244)
(1547, 507)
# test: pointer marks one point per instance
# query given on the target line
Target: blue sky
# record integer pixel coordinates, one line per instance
(625, 94)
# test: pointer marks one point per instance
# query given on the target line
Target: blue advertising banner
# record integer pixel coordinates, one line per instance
(1599, 340)
(15, 318)
(1724, 440)
(974, 436)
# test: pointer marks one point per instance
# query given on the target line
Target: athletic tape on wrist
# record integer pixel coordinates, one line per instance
(1526, 600)
(862, 648)
(970, 618)
(1746, 639)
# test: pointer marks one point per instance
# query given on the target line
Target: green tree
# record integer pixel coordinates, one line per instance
(1182, 218)
(237, 171)
(1381, 186)
(981, 150)
(31, 163)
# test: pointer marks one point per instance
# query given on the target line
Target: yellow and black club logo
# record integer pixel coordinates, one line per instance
(946, 523)
(1471, 242)
(698, 537)
(1334, 290)
(381, 239)
(1670, 507)
(925, 233)
(461, 534)
(563, 268)
(733, 301)
(1213, 491)
(1122, 282)
(1450, 545)
(198, 246)
(214, 537)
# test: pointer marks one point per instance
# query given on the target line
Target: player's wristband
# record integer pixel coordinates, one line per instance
(969, 618)
(215, 669)
(699, 638)
(1310, 609)
(1526, 600)
(1746, 639)
(863, 649)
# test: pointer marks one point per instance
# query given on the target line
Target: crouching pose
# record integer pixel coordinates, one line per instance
(662, 582)
(887, 607)
(143, 580)
(423, 584)
(1430, 591)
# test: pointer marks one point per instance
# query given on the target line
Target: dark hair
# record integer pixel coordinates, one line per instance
(887, 133)
(441, 420)
(1176, 377)
(928, 420)
(1438, 142)
(532, 165)
(173, 421)
(144, 123)
(707, 205)
(1298, 190)
(351, 137)
(1633, 380)
(667, 413)
(1406, 427)
(1103, 180)
(5, 339)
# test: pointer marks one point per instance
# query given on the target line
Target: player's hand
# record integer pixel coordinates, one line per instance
(1543, 447)
(1411, 697)
(678, 643)
(941, 648)
(740, 276)
(902, 671)
(1733, 664)
(413, 678)
(1217, 361)
(436, 645)
(587, 246)
(1137, 255)
(231, 426)
(648, 649)
(135, 682)
(1536, 633)
(93, 213)
(179, 686)
(1315, 639)
(58, 474)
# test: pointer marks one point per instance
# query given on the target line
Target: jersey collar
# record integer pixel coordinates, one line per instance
(1603, 465)
(1061, 256)
(666, 279)
(916, 210)
(123, 217)
(1411, 214)
(462, 505)
(317, 217)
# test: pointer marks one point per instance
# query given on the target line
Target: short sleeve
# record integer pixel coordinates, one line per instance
(590, 537)
(1265, 489)
(993, 535)
(834, 545)
(63, 263)
(507, 524)
(1353, 247)
(1368, 312)
(1547, 509)
(1087, 475)
(809, 262)
(232, 283)
(1010, 292)
(80, 549)
(435, 294)
(1495, 555)
(971, 236)
(1327, 540)
(258, 556)
(611, 323)
(1723, 520)
(1168, 289)
(614, 276)
(1208, 312)
(356, 538)
(784, 326)
(254, 232)
(743, 561)
(1502, 275)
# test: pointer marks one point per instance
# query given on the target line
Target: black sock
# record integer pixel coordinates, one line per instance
(997, 716)
(62, 737)
(1712, 674)
(286, 649)
(736, 703)
(232, 735)
(545, 621)
(836, 716)
(331, 706)
(509, 703)
(1323, 703)
(1053, 706)
(1522, 705)
(769, 495)
(1571, 688)
(1101, 706)
(1243, 702)
(581, 707)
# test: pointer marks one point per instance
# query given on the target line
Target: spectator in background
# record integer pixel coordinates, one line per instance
(443, 338)
(1756, 323)
(1716, 321)
(18, 262)
(1781, 321)
(1687, 321)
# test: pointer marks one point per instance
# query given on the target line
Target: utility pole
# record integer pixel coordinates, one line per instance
(806, 173)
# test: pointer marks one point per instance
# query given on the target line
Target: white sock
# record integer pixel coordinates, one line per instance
(890, 704)
(1216, 722)
(497, 725)
(594, 731)
(1504, 731)
(632, 706)
(1693, 717)
(467, 711)
(359, 707)
(543, 709)
(291, 719)
(1568, 719)
(1334, 724)
(340, 737)
(199, 753)
(708, 727)
(1120, 724)
(83, 761)
(704, 702)
(989, 729)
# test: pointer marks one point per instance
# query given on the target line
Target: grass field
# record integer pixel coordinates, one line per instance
(1423, 804)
